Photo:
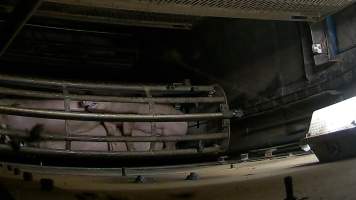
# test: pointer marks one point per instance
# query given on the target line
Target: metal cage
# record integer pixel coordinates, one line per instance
(201, 104)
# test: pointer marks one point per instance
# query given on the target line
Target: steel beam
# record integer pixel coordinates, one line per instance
(121, 154)
(88, 138)
(46, 83)
(53, 114)
(77, 97)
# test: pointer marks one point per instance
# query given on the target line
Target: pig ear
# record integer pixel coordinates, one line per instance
(89, 104)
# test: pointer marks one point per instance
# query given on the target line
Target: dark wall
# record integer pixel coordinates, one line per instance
(288, 121)
(251, 59)
(345, 27)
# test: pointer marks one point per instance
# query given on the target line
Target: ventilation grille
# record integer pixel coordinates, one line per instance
(287, 5)
(261, 9)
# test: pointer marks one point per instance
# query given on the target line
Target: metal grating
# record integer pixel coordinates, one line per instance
(260, 9)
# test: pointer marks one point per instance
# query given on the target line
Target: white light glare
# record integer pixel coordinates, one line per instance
(337, 117)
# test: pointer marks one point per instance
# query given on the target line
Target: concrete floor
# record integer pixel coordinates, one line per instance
(249, 180)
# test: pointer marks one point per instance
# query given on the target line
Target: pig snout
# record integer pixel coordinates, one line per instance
(88, 105)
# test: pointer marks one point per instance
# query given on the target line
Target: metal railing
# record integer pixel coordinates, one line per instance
(209, 102)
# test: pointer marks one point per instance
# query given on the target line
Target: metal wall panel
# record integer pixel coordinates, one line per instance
(305, 10)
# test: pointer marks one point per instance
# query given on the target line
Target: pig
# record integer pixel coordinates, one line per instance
(55, 126)
(144, 128)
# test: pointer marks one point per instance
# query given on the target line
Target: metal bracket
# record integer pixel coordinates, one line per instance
(319, 46)
(324, 41)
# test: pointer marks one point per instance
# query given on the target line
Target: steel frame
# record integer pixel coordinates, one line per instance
(211, 95)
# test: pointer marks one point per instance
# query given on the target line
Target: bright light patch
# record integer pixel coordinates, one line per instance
(305, 147)
(337, 117)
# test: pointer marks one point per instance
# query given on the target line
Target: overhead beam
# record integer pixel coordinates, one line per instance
(16, 20)
(293, 10)
(115, 20)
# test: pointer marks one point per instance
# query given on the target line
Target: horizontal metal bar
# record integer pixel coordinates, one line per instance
(77, 97)
(115, 20)
(30, 81)
(88, 138)
(73, 29)
(53, 152)
(276, 147)
(78, 30)
(82, 116)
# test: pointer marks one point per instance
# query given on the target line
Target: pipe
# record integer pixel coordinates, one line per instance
(332, 36)
(81, 116)
(28, 81)
(76, 97)
(53, 152)
(273, 125)
(88, 138)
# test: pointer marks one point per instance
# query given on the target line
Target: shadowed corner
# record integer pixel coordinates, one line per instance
(5, 194)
